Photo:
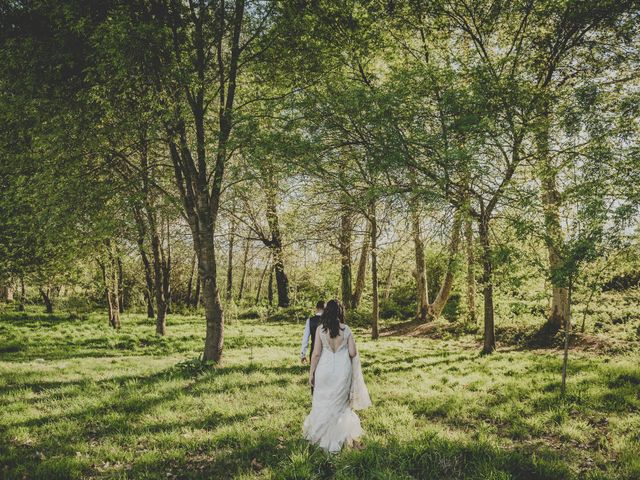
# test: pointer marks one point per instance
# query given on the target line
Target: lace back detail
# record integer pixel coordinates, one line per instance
(326, 339)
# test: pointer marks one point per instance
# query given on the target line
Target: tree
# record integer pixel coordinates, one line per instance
(193, 59)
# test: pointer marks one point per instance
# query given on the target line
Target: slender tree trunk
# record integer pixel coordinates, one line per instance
(422, 294)
(112, 287)
(120, 283)
(261, 281)
(232, 234)
(567, 333)
(362, 269)
(344, 240)
(435, 309)
(159, 288)
(23, 295)
(551, 203)
(282, 281)
(166, 272)
(389, 279)
(197, 300)
(46, 298)
(161, 262)
(190, 282)
(243, 276)
(471, 274)
(142, 232)
(7, 292)
(107, 289)
(374, 272)
(487, 282)
(270, 287)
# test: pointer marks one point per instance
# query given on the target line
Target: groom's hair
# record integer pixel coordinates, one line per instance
(320, 305)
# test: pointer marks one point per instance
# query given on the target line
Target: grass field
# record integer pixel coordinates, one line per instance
(80, 401)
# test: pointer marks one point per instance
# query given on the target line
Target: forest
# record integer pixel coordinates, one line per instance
(182, 180)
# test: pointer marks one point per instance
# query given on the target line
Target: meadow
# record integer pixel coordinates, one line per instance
(78, 400)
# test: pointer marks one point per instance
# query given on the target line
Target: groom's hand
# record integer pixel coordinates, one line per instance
(303, 360)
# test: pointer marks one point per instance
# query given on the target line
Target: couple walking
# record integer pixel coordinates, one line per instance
(335, 376)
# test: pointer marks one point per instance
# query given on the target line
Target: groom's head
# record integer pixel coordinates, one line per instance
(320, 307)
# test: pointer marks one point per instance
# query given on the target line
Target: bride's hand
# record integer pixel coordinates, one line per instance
(311, 379)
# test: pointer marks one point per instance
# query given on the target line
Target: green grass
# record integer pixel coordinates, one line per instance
(78, 400)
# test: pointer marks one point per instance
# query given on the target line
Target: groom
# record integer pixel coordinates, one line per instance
(310, 331)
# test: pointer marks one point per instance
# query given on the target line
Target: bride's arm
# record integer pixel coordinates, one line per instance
(352, 346)
(317, 350)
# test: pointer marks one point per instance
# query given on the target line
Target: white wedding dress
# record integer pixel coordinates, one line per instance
(338, 389)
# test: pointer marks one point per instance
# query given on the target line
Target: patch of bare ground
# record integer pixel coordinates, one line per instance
(584, 342)
(435, 329)
(513, 338)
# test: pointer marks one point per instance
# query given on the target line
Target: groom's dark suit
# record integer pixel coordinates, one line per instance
(314, 322)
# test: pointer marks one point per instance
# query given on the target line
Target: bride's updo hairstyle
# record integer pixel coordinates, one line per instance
(332, 316)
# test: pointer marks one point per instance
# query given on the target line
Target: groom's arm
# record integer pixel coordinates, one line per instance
(305, 340)
(317, 350)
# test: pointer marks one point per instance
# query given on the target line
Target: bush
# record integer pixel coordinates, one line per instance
(254, 313)
(77, 304)
(294, 313)
(452, 308)
(359, 318)
(391, 309)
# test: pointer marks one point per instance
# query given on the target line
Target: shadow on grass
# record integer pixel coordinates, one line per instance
(122, 413)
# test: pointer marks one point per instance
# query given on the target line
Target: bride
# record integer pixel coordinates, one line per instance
(338, 384)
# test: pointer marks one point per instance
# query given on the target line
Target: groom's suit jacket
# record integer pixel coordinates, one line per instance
(314, 322)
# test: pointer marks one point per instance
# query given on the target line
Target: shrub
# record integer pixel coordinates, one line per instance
(253, 313)
(359, 318)
(294, 313)
(391, 309)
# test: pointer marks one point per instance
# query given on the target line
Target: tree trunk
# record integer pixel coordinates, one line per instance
(112, 287)
(107, 288)
(344, 240)
(148, 298)
(270, 287)
(275, 243)
(489, 330)
(471, 274)
(23, 295)
(190, 282)
(120, 283)
(389, 279)
(158, 271)
(374, 272)
(282, 281)
(567, 333)
(232, 234)
(161, 262)
(7, 293)
(197, 300)
(362, 270)
(261, 281)
(142, 232)
(200, 188)
(551, 203)
(166, 272)
(243, 276)
(435, 309)
(212, 306)
(422, 294)
(46, 298)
